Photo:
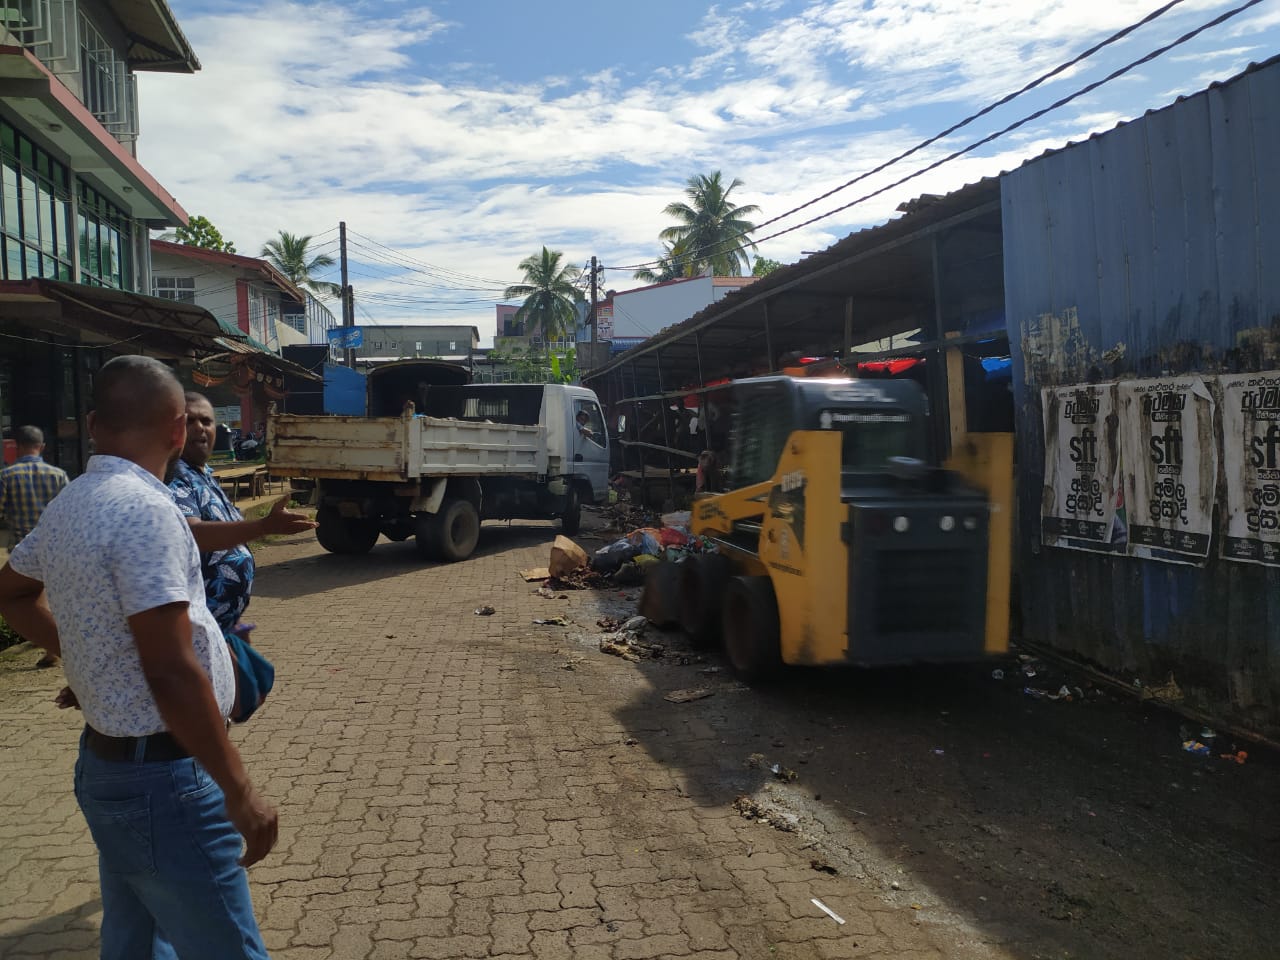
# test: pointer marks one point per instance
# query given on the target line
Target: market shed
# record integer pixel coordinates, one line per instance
(927, 286)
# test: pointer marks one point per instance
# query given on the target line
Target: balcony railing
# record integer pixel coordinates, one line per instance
(59, 34)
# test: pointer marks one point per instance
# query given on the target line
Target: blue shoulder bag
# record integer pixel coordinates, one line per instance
(255, 675)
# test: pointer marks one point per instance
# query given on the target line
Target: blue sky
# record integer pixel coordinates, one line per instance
(457, 137)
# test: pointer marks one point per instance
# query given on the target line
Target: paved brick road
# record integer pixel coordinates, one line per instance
(449, 788)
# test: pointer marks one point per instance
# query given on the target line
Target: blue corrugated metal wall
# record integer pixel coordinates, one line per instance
(1151, 250)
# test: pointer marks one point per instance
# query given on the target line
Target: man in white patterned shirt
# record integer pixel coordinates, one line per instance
(111, 580)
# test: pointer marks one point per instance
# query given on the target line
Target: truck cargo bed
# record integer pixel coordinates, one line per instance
(329, 446)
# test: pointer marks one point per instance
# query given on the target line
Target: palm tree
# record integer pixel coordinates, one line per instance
(289, 254)
(670, 266)
(711, 230)
(550, 298)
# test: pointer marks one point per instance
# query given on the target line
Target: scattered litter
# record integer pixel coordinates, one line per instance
(566, 557)
(1196, 747)
(572, 663)
(997, 674)
(537, 573)
(616, 649)
(916, 906)
(709, 671)
(635, 627)
(1208, 733)
(1240, 756)
(782, 773)
(552, 622)
(1028, 670)
(938, 751)
(485, 611)
(827, 910)
(1167, 692)
(823, 867)
(630, 742)
(609, 624)
(755, 761)
(895, 885)
(546, 593)
(749, 808)
(687, 696)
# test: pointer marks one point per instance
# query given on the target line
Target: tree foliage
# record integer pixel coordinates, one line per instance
(711, 230)
(550, 298)
(670, 266)
(290, 254)
(763, 266)
(200, 232)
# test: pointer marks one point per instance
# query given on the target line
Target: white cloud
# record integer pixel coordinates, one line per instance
(304, 116)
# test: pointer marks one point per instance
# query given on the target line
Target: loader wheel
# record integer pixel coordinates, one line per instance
(344, 535)
(751, 632)
(456, 530)
(702, 584)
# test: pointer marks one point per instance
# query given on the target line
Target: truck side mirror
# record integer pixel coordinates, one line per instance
(622, 423)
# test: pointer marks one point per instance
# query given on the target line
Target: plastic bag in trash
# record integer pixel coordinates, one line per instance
(608, 559)
(645, 540)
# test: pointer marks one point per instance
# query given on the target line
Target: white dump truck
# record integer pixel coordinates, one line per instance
(437, 455)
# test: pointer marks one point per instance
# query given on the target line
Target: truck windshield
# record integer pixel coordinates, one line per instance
(871, 438)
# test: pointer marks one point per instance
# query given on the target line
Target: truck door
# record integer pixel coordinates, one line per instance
(590, 446)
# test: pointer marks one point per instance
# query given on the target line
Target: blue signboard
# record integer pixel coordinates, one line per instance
(346, 338)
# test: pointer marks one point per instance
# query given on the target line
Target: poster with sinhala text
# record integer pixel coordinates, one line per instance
(1169, 458)
(1251, 462)
(1081, 468)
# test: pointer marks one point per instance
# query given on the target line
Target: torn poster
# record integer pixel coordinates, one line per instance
(1251, 458)
(1082, 489)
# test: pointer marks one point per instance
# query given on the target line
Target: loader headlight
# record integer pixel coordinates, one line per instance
(901, 524)
(947, 523)
(971, 524)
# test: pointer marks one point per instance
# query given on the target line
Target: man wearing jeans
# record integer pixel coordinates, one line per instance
(111, 580)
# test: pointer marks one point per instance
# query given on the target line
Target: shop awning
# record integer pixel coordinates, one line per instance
(115, 317)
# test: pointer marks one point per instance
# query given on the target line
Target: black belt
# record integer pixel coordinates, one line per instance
(157, 748)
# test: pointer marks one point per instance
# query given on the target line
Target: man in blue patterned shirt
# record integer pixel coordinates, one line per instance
(26, 487)
(220, 530)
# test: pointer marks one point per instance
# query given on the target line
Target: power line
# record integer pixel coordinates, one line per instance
(1039, 81)
(443, 271)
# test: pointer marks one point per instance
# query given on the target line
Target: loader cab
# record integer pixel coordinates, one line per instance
(884, 427)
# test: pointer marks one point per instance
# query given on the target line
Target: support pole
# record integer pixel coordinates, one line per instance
(348, 306)
(666, 431)
(848, 329)
(594, 339)
(703, 422)
(940, 390)
(768, 339)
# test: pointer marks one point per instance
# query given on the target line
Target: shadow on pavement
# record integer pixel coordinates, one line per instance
(1076, 829)
(66, 934)
(325, 571)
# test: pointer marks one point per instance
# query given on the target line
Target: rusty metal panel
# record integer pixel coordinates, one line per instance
(1151, 250)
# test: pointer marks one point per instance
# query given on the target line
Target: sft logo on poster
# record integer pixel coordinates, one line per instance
(1166, 450)
(1086, 491)
(1264, 453)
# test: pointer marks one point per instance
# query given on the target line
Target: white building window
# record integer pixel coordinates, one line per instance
(181, 289)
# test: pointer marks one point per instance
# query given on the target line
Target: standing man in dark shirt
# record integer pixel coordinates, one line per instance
(220, 530)
(26, 487)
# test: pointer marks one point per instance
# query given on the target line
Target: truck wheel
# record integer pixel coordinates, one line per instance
(752, 635)
(702, 584)
(344, 535)
(571, 519)
(457, 530)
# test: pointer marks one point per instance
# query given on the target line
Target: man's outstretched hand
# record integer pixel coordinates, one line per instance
(283, 520)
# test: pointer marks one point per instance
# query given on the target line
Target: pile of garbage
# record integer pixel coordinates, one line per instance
(626, 561)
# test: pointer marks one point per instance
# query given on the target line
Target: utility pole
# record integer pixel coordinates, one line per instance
(348, 307)
(594, 270)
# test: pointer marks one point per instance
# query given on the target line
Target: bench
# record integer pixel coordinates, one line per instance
(254, 475)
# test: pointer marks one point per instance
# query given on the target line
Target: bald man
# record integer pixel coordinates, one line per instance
(111, 580)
